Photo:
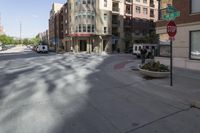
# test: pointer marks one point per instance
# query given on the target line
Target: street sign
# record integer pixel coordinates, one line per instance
(171, 16)
(171, 29)
(170, 13)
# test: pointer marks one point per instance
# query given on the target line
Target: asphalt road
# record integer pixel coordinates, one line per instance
(81, 93)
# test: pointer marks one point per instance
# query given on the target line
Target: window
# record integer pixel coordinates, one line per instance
(138, 0)
(137, 9)
(79, 27)
(89, 28)
(88, 2)
(105, 16)
(105, 29)
(152, 13)
(145, 1)
(76, 28)
(93, 28)
(105, 3)
(92, 17)
(145, 11)
(195, 4)
(84, 28)
(195, 45)
(84, 1)
(92, 2)
(88, 16)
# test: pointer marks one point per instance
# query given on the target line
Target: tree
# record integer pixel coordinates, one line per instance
(36, 40)
(6, 39)
(26, 41)
(152, 38)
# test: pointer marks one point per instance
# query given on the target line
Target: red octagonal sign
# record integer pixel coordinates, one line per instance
(171, 29)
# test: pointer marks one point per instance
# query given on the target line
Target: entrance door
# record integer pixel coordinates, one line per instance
(83, 45)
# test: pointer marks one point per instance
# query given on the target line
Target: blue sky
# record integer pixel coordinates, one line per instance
(33, 14)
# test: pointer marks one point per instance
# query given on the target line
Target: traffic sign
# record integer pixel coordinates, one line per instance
(171, 16)
(170, 13)
(171, 29)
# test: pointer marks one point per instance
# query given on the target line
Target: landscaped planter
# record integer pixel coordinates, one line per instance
(154, 74)
(154, 70)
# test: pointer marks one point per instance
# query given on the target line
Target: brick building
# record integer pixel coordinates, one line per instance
(101, 25)
(186, 47)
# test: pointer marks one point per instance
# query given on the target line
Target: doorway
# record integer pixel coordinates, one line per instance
(83, 45)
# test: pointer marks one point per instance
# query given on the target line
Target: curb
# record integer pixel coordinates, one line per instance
(196, 104)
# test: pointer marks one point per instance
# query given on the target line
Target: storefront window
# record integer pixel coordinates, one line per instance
(195, 45)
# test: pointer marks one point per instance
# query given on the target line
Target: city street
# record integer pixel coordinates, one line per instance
(92, 93)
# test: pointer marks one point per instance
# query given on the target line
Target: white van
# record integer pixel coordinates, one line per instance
(151, 48)
(42, 48)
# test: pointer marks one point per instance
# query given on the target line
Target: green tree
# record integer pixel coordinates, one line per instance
(6, 39)
(25, 41)
(36, 40)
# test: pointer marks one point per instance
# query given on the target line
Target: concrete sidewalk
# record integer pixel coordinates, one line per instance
(186, 83)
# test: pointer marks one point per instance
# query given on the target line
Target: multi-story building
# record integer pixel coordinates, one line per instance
(53, 24)
(186, 46)
(64, 26)
(85, 25)
(44, 37)
(90, 25)
(132, 20)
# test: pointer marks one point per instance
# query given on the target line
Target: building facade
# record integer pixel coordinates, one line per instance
(54, 25)
(101, 25)
(186, 46)
(44, 37)
(90, 26)
(132, 20)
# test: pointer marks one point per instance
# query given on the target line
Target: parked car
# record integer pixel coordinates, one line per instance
(151, 49)
(42, 48)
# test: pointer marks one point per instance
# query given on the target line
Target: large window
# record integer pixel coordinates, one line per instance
(145, 11)
(195, 6)
(195, 44)
(89, 28)
(138, 9)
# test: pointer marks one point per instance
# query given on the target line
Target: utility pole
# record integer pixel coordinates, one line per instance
(20, 32)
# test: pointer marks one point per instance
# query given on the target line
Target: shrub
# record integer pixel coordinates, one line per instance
(155, 66)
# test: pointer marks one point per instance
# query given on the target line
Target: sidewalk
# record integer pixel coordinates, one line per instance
(185, 89)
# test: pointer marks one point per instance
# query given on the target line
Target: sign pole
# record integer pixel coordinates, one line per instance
(171, 63)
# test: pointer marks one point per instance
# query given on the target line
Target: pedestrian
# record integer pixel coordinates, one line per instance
(143, 52)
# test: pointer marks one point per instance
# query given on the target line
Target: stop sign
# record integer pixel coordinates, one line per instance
(171, 29)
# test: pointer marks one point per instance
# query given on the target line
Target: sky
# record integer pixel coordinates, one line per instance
(33, 14)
